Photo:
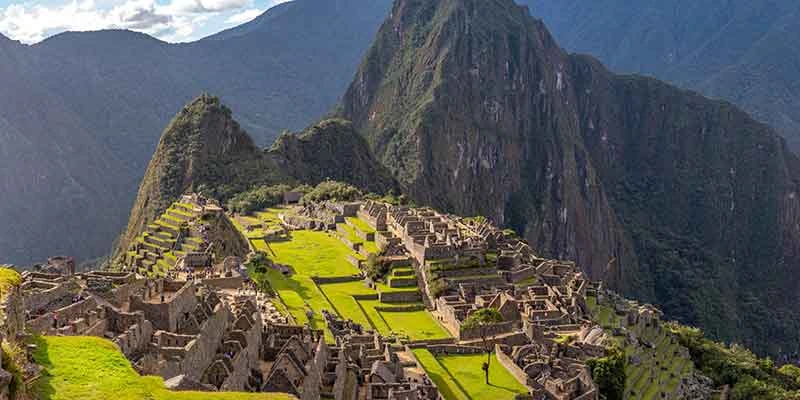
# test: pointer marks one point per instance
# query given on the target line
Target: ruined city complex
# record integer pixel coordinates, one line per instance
(182, 308)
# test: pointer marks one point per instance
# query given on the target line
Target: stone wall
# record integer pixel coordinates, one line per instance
(199, 353)
(34, 301)
(491, 330)
(319, 280)
(164, 316)
(13, 314)
(81, 309)
(454, 349)
(522, 274)
(510, 366)
(234, 282)
(122, 294)
(135, 339)
(400, 297)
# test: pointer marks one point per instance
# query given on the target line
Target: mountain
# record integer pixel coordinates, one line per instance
(668, 196)
(331, 149)
(201, 149)
(80, 112)
(737, 50)
(204, 150)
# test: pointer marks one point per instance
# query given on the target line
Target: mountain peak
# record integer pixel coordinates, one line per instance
(475, 109)
(202, 149)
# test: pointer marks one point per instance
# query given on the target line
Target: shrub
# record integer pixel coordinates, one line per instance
(376, 267)
(332, 190)
(609, 373)
(257, 199)
(438, 287)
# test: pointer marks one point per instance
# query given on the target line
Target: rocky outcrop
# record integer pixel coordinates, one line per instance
(666, 195)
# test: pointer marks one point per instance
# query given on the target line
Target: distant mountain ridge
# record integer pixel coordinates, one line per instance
(80, 113)
(738, 50)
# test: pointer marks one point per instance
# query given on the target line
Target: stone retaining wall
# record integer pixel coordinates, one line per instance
(400, 297)
(319, 280)
(510, 366)
(491, 330)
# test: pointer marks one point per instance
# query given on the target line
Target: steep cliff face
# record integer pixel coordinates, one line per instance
(330, 149)
(668, 196)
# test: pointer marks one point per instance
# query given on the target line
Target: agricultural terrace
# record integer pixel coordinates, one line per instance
(660, 369)
(311, 254)
(91, 368)
(460, 377)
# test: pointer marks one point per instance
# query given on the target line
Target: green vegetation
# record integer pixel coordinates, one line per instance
(312, 254)
(609, 374)
(9, 278)
(360, 224)
(91, 368)
(481, 320)
(660, 368)
(258, 198)
(749, 376)
(332, 190)
(459, 377)
(13, 361)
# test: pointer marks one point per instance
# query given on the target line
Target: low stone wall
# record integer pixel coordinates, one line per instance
(522, 274)
(233, 282)
(66, 314)
(411, 308)
(464, 272)
(416, 344)
(13, 314)
(400, 297)
(319, 280)
(510, 366)
(366, 296)
(402, 282)
(491, 330)
(39, 300)
(450, 349)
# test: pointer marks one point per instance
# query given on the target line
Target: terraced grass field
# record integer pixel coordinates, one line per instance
(660, 368)
(322, 254)
(416, 325)
(459, 377)
(91, 368)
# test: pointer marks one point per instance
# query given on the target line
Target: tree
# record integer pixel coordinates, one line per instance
(609, 373)
(481, 320)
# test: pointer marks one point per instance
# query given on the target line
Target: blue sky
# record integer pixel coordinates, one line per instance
(31, 21)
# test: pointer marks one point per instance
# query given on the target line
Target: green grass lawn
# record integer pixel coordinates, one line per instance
(459, 377)
(349, 233)
(9, 278)
(362, 225)
(416, 325)
(312, 253)
(91, 368)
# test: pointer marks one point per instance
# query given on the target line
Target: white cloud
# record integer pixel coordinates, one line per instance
(244, 16)
(175, 21)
